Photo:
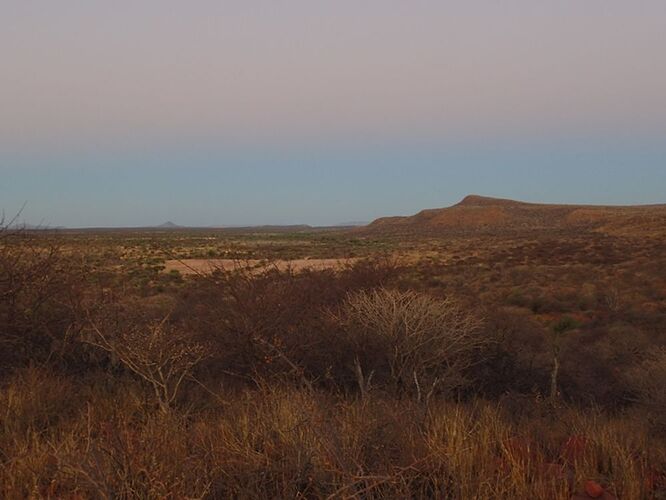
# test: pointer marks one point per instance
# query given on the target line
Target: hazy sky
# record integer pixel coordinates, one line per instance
(248, 112)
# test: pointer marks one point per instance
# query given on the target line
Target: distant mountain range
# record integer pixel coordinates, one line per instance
(353, 224)
(478, 214)
(34, 227)
(167, 226)
(265, 227)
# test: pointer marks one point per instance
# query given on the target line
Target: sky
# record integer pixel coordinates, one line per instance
(132, 113)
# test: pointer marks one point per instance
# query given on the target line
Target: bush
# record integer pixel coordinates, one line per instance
(38, 299)
(425, 345)
(273, 323)
(648, 384)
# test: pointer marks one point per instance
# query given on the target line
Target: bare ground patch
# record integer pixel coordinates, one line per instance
(204, 266)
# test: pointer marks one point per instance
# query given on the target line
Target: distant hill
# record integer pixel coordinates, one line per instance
(169, 225)
(294, 228)
(24, 226)
(484, 214)
(352, 224)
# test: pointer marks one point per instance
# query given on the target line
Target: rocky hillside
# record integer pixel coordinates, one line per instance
(483, 214)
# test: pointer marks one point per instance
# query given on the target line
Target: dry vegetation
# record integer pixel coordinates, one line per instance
(517, 365)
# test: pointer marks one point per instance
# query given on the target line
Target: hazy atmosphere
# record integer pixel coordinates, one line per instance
(336, 250)
(228, 113)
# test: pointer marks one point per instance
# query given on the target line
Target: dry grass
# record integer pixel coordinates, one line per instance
(281, 442)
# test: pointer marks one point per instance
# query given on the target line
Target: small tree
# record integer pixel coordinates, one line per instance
(559, 331)
(157, 352)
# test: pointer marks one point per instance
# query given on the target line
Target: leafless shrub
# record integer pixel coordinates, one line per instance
(37, 296)
(162, 355)
(428, 343)
(612, 299)
(648, 383)
(273, 323)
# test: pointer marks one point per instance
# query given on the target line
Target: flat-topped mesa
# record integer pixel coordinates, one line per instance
(475, 200)
(481, 214)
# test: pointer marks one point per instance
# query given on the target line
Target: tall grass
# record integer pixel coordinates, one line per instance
(87, 439)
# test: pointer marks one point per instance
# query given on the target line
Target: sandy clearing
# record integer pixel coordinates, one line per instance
(196, 266)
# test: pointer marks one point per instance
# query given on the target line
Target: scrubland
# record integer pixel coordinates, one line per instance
(524, 365)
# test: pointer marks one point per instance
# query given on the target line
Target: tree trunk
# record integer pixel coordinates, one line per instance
(553, 377)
